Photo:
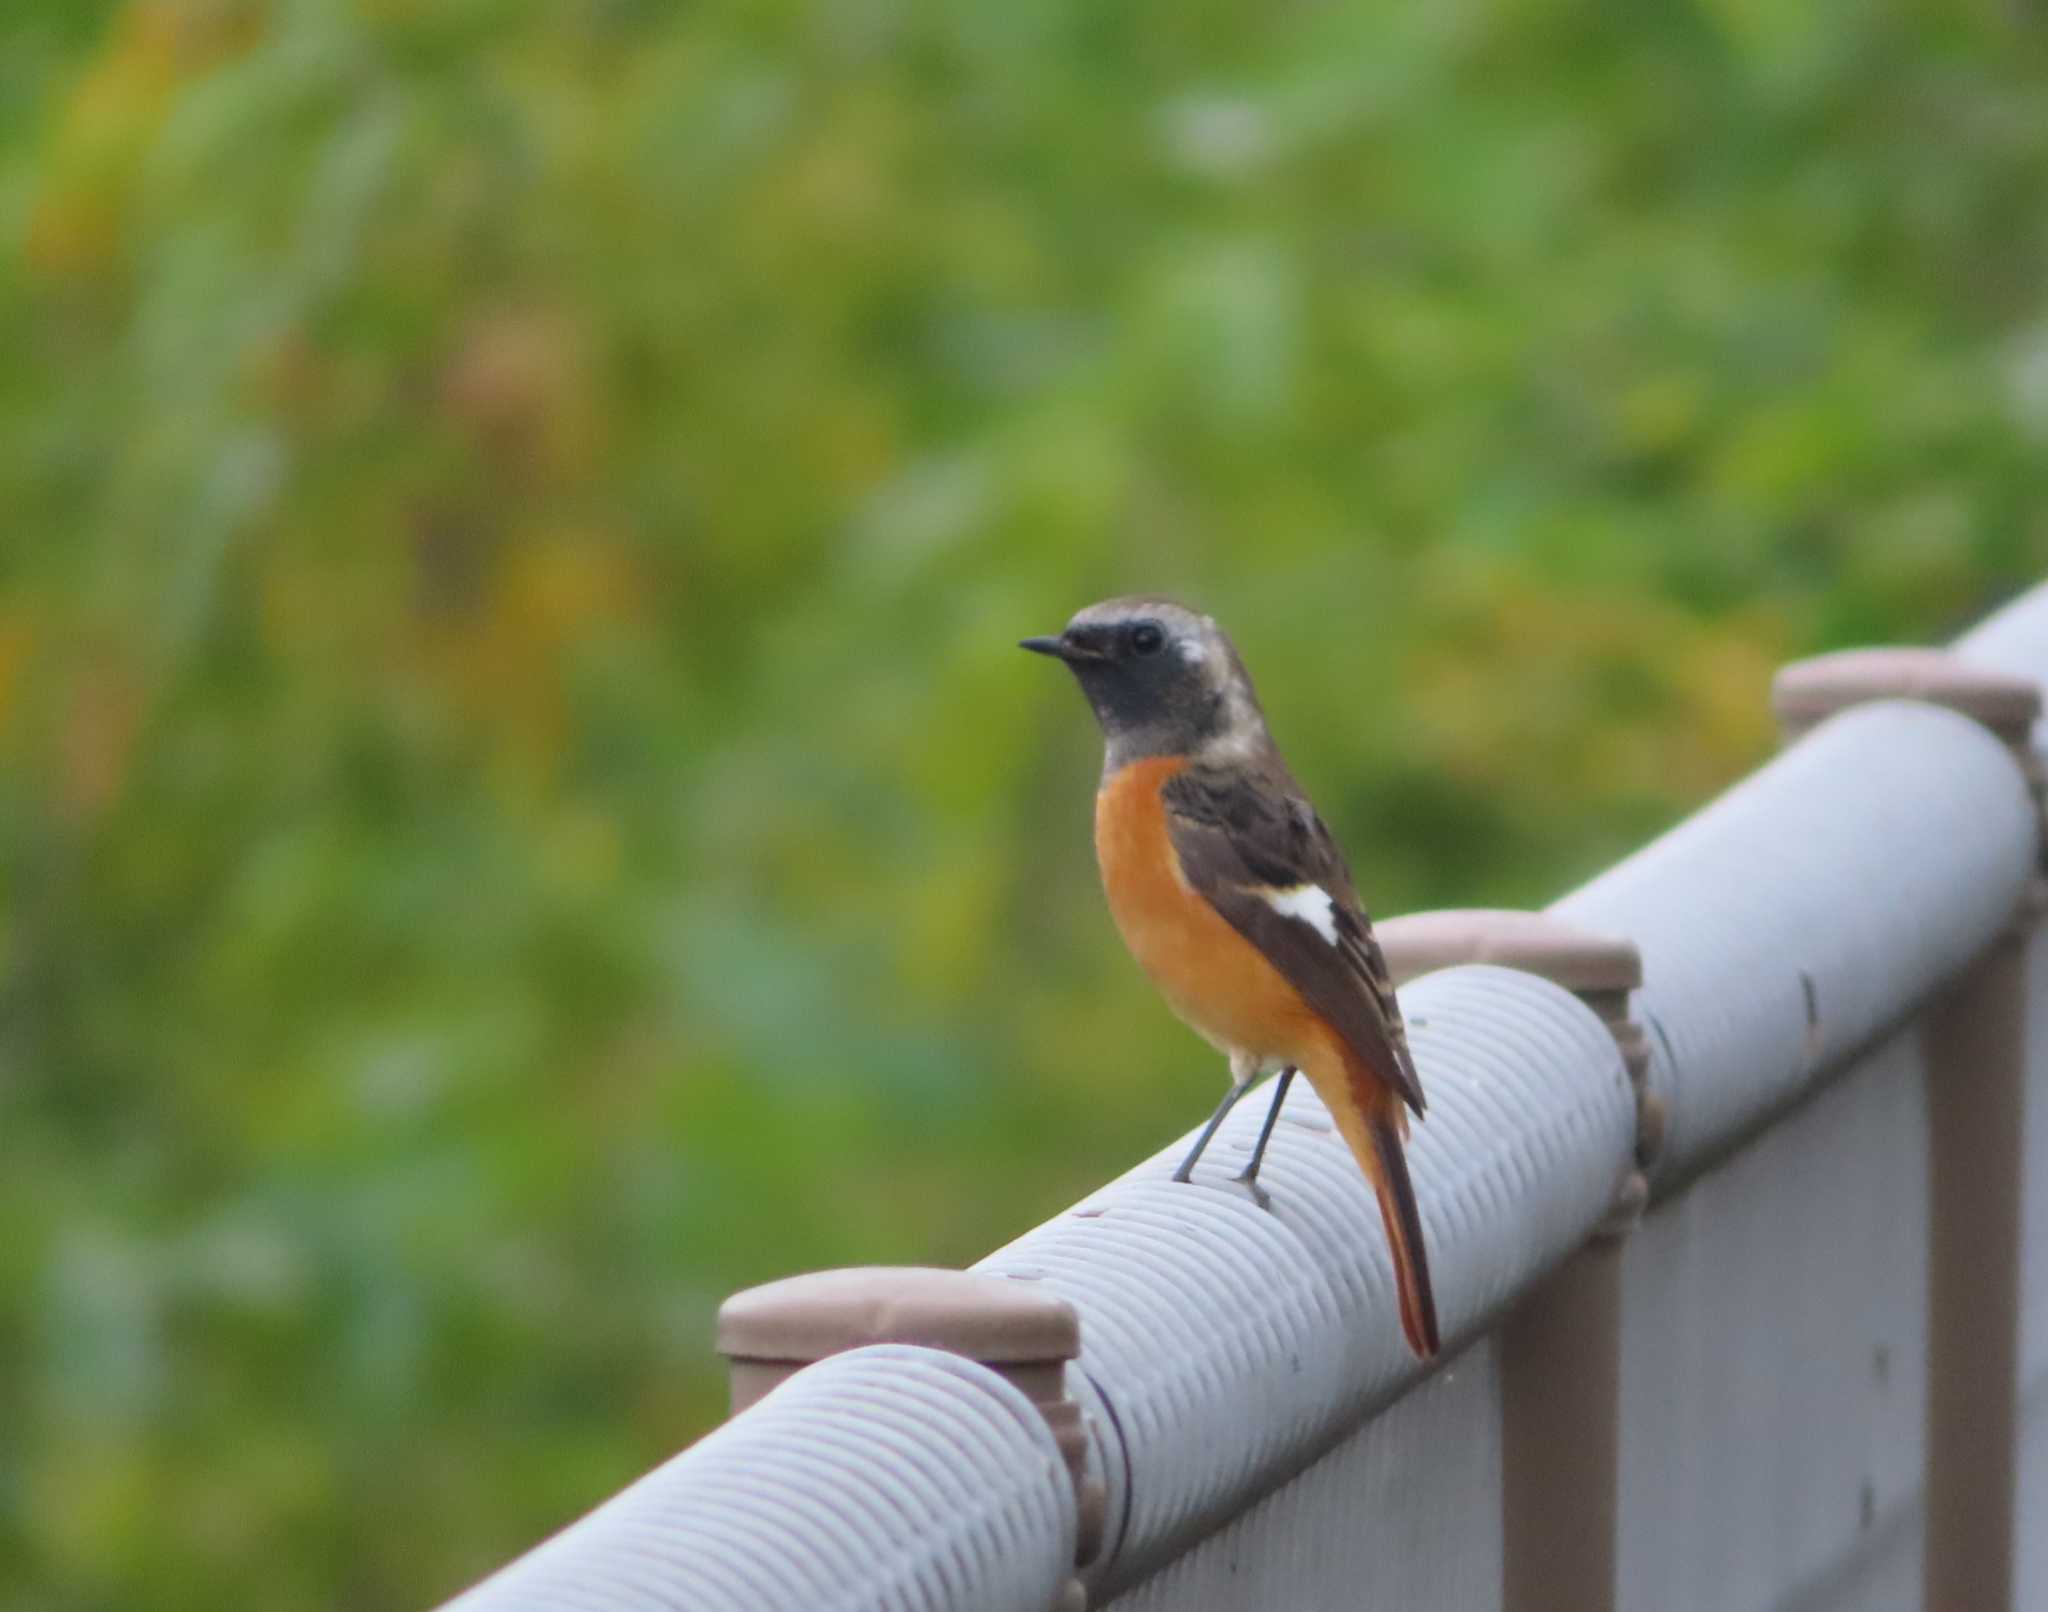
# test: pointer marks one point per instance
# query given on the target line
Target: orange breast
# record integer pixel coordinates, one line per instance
(1210, 975)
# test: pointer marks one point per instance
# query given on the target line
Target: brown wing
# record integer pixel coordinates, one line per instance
(1239, 834)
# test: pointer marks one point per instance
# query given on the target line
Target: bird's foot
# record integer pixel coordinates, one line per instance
(1258, 1194)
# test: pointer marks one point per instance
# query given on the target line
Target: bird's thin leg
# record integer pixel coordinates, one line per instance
(1187, 1165)
(1249, 1175)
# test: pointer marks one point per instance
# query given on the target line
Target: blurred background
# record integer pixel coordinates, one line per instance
(519, 809)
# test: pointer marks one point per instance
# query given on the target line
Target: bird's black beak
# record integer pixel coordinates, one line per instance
(1074, 651)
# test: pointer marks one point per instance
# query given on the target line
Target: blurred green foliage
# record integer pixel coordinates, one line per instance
(519, 811)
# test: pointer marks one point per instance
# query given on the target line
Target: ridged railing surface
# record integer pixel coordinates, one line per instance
(1228, 1345)
(887, 1476)
(1815, 904)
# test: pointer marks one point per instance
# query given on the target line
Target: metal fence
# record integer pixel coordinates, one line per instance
(1743, 1270)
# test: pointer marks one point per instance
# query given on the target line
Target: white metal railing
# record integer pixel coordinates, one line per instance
(1783, 1388)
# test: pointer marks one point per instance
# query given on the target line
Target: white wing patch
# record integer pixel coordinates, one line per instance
(1309, 903)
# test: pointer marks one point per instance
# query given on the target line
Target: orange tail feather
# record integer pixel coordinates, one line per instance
(1396, 1193)
(1369, 1114)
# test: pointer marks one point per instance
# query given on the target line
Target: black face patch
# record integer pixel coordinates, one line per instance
(1148, 696)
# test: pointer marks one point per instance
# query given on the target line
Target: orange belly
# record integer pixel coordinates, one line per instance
(1210, 975)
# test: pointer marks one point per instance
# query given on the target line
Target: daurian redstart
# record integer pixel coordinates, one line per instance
(1237, 903)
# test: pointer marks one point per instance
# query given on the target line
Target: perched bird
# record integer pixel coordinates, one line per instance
(1237, 903)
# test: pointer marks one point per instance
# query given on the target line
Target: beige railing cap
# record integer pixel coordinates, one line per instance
(1577, 959)
(991, 1319)
(1809, 691)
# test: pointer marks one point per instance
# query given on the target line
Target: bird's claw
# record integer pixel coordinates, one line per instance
(1259, 1194)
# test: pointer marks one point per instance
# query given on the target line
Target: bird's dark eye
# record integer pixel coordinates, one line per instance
(1147, 639)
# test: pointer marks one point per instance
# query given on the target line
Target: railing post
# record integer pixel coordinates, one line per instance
(1560, 1348)
(1974, 1041)
(1025, 1336)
